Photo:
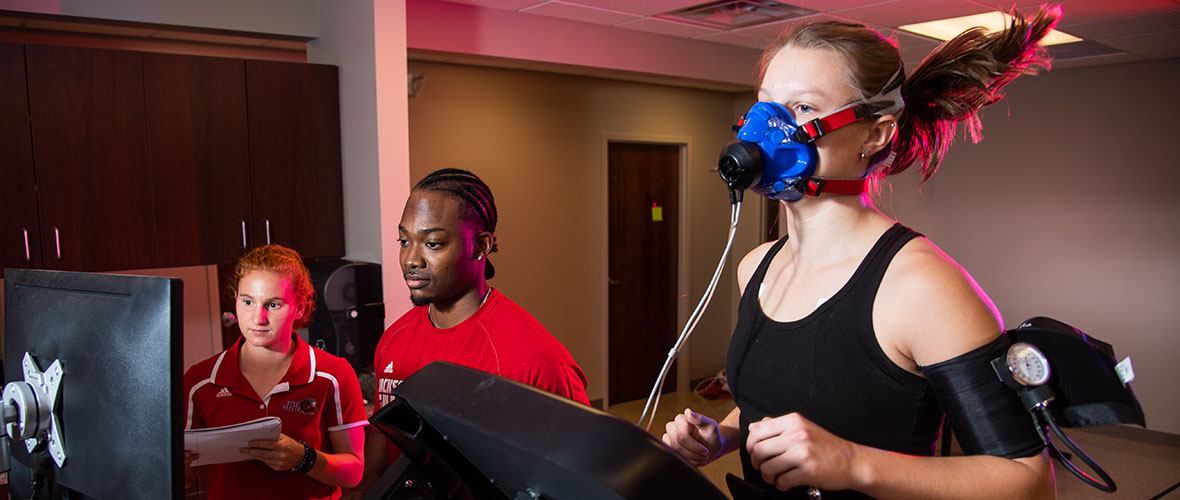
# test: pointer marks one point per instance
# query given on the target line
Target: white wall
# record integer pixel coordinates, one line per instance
(1068, 209)
(347, 41)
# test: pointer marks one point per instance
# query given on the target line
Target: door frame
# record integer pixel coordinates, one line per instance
(682, 250)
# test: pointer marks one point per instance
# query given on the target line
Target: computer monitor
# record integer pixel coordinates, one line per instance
(118, 340)
(468, 434)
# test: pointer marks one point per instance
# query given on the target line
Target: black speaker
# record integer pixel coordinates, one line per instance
(350, 311)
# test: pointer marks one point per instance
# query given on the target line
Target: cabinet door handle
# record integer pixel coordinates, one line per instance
(57, 242)
(267, 222)
(243, 234)
(28, 256)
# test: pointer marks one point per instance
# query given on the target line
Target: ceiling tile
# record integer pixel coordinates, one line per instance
(1006, 5)
(667, 28)
(898, 12)
(1127, 26)
(499, 4)
(830, 5)
(1080, 62)
(641, 7)
(1086, 11)
(1084, 48)
(1155, 46)
(580, 13)
(734, 38)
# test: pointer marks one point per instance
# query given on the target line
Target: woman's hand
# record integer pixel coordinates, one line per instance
(282, 454)
(694, 437)
(792, 451)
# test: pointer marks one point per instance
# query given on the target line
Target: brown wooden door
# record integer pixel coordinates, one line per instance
(644, 214)
(294, 128)
(196, 111)
(90, 146)
(20, 244)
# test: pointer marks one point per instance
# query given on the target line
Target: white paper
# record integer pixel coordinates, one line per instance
(221, 445)
(1124, 370)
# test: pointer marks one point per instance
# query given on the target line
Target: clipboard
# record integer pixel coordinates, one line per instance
(222, 445)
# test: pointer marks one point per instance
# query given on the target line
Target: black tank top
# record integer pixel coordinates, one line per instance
(829, 367)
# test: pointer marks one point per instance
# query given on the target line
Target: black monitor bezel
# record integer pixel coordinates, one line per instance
(120, 339)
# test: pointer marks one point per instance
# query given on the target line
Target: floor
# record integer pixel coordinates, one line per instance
(1142, 463)
(675, 402)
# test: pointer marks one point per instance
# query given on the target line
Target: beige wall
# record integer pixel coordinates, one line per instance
(538, 139)
(1068, 209)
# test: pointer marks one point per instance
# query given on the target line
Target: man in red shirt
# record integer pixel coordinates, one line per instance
(446, 234)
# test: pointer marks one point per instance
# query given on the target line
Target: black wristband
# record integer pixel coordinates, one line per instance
(309, 456)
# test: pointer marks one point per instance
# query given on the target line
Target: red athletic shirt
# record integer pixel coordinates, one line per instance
(500, 338)
(319, 394)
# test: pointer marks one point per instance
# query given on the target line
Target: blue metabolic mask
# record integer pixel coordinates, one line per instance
(777, 157)
(785, 161)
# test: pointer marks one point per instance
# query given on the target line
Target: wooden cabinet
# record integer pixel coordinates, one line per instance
(196, 113)
(89, 136)
(294, 127)
(127, 160)
(20, 244)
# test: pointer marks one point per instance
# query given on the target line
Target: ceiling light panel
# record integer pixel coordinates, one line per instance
(946, 29)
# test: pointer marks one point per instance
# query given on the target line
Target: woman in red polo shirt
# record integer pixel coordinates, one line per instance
(271, 371)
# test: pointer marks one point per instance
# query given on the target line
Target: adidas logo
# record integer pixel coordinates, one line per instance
(389, 367)
(224, 393)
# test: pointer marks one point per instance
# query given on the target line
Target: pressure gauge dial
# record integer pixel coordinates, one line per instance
(1028, 365)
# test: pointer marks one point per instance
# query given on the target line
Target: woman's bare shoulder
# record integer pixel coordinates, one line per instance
(750, 262)
(932, 306)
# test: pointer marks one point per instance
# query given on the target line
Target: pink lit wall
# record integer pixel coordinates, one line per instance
(1068, 209)
(393, 146)
(465, 29)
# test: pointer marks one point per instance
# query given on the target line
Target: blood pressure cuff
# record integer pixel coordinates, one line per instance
(1082, 374)
(985, 415)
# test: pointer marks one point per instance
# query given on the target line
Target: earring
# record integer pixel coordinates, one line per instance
(479, 257)
(862, 154)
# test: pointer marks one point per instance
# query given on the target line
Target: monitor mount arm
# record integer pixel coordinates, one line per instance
(30, 409)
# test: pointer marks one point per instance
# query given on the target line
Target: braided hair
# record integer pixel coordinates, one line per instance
(949, 87)
(479, 207)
